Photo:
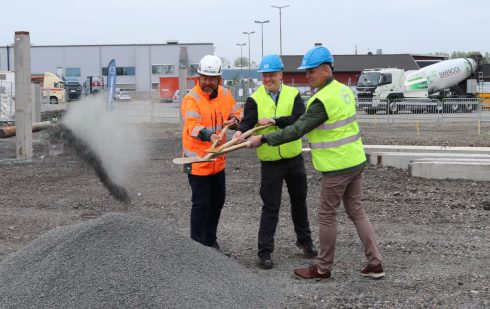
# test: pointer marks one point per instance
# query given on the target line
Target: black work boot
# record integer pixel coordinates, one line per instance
(265, 261)
(308, 248)
(217, 247)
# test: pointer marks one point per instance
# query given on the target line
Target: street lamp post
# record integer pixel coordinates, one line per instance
(262, 32)
(248, 33)
(280, 24)
(241, 59)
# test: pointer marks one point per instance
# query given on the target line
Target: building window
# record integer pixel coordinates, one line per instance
(192, 71)
(72, 72)
(155, 86)
(121, 71)
(163, 69)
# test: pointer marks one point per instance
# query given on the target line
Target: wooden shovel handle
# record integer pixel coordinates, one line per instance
(247, 134)
(233, 148)
(221, 135)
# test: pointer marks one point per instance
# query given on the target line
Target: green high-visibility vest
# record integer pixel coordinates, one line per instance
(336, 144)
(267, 108)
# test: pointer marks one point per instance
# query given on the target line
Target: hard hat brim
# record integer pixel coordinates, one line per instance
(269, 71)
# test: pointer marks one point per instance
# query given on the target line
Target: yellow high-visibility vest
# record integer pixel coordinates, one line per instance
(267, 108)
(336, 144)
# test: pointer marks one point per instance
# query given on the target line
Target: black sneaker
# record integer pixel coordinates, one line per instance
(217, 247)
(265, 261)
(308, 248)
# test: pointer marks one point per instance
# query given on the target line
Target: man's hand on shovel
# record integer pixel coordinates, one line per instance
(216, 138)
(236, 140)
(211, 156)
(255, 141)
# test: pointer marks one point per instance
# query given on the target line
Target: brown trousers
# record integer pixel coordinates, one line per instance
(345, 188)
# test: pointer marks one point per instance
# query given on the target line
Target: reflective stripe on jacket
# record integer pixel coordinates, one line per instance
(267, 108)
(336, 144)
(199, 112)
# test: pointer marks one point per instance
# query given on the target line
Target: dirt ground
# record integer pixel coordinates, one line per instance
(433, 234)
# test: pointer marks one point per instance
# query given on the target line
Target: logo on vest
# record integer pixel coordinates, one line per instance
(345, 95)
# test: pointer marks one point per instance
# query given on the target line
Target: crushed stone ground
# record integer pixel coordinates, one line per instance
(433, 234)
(123, 261)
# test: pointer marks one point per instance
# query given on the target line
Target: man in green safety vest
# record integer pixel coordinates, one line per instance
(279, 105)
(337, 151)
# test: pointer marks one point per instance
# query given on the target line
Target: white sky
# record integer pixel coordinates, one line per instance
(413, 26)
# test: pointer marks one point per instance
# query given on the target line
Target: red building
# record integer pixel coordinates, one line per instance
(347, 68)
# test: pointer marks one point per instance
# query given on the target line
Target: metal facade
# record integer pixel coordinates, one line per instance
(92, 58)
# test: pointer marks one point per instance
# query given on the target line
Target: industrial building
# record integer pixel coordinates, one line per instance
(139, 66)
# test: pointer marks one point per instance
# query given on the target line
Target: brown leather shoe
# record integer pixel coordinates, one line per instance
(373, 272)
(311, 272)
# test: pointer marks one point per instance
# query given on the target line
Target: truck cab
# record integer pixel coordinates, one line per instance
(381, 83)
(51, 85)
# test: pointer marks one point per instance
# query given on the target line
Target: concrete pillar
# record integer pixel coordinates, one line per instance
(182, 85)
(36, 102)
(23, 100)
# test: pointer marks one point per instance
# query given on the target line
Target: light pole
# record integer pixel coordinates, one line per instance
(241, 59)
(262, 32)
(248, 33)
(280, 23)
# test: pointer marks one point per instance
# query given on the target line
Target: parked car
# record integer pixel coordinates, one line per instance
(73, 90)
(121, 95)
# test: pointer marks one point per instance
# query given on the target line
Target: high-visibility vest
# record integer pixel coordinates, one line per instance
(267, 108)
(336, 144)
(198, 112)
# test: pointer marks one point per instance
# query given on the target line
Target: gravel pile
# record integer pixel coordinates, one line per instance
(122, 261)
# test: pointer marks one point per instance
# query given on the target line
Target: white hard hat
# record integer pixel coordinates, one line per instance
(210, 65)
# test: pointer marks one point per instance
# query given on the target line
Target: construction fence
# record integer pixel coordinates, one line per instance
(148, 107)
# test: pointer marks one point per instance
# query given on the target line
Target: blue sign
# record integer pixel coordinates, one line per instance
(111, 83)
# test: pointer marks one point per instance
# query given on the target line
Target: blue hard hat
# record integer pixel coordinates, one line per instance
(270, 63)
(316, 56)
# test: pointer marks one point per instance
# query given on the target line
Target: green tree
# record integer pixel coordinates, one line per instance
(462, 54)
(241, 62)
(486, 58)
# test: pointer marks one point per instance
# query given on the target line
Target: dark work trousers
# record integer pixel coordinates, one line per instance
(273, 173)
(208, 198)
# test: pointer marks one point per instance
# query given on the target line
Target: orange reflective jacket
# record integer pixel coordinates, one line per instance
(199, 112)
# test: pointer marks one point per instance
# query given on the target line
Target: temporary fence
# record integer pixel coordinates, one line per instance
(137, 106)
(433, 110)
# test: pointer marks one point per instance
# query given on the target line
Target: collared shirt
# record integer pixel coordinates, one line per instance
(274, 95)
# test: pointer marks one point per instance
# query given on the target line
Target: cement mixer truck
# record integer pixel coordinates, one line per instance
(455, 78)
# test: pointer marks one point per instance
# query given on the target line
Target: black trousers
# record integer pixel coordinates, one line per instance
(273, 173)
(208, 198)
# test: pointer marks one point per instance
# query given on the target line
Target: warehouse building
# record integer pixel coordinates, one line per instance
(139, 66)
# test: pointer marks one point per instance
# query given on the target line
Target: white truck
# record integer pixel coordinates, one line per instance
(455, 78)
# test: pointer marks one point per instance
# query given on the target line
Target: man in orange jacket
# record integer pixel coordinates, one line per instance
(206, 109)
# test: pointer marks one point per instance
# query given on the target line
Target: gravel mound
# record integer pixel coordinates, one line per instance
(122, 261)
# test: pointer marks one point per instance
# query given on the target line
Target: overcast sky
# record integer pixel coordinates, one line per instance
(413, 26)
